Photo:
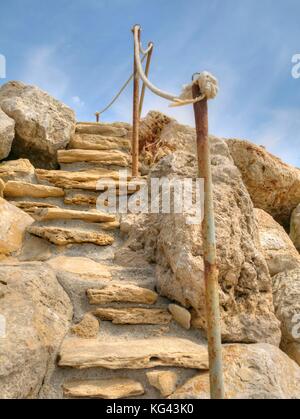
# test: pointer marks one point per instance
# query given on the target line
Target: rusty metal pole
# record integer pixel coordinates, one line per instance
(209, 245)
(147, 69)
(136, 117)
(97, 114)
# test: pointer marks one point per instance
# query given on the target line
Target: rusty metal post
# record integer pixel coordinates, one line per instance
(136, 117)
(97, 114)
(209, 244)
(147, 69)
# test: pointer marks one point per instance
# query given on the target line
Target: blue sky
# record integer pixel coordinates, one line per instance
(81, 52)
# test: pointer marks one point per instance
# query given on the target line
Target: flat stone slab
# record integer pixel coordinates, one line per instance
(133, 354)
(101, 129)
(65, 214)
(109, 158)
(116, 388)
(116, 293)
(134, 315)
(82, 267)
(98, 142)
(31, 207)
(22, 189)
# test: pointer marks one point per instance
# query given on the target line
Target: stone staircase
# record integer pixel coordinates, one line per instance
(124, 342)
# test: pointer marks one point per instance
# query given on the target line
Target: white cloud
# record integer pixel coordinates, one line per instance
(77, 102)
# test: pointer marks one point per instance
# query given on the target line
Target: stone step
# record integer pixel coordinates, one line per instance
(65, 214)
(18, 189)
(31, 207)
(118, 293)
(64, 236)
(101, 129)
(133, 354)
(134, 315)
(107, 158)
(110, 389)
(98, 142)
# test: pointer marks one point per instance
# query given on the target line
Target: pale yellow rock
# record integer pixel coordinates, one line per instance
(98, 142)
(80, 266)
(110, 226)
(65, 236)
(113, 157)
(88, 328)
(81, 198)
(133, 354)
(181, 315)
(17, 189)
(31, 207)
(20, 169)
(110, 389)
(133, 315)
(13, 225)
(117, 293)
(164, 381)
(64, 214)
(2, 187)
(101, 129)
(295, 227)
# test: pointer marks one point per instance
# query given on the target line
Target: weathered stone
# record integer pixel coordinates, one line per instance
(35, 249)
(65, 236)
(151, 127)
(81, 198)
(111, 389)
(279, 251)
(181, 315)
(20, 169)
(107, 158)
(31, 207)
(13, 224)
(109, 130)
(133, 354)
(7, 134)
(98, 142)
(43, 124)
(64, 214)
(250, 372)
(88, 328)
(117, 293)
(286, 290)
(38, 314)
(2, 187)
(273, 185)
(293, 350)
(295, 227)
(133, 315)
(23, 189)
(164, 381)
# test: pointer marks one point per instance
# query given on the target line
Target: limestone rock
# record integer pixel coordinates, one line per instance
(2, 187)
(7, 134)
(164, 381)
(65, 236)
(20, 169)
(13, 224)
(273, 185)
(111, 389)
(109, 130)
(88, 328)
(98, 142)
(35, 249)
(117, 293)
(81, 198)
(279, 251)
(43, 124)
(31, 207)
(286, 289)
(64, 214)
(107, 158)
(23, 189)
(250, 372)
(295, 227)
(181, 315)
(133, 354)
(151, 127)
(134, 315)
(37, 313)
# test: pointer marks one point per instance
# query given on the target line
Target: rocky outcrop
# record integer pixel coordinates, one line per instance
(7, 134)
(13, 225)
(43, 124)
(20, 169)
(273, 185)
(295, 227)
(279, 251)
(37, 313)
(250, 372)
(286, 289)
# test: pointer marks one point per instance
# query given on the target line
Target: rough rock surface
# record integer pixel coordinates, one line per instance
(250, 372)
(37, 313)
(88, 328)
(43, 124)
(7, 134)
(13, 224)
(164, 381)
(107, 158)
(273, 185)
(97, 142)
(279, 251)
(18, 189)
(2, 187)
(20, 169)
(286, 289)
(117, 293)
(295, 227)
(181, 315)
(134, 315)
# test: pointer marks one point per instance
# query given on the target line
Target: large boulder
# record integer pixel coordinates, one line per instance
(286, 289)
(37, 314)
(13, 225)
(250, 372)
(295, 227)
(176, 247)
(43, 124)
(7, 134)
(280, 253)
(273, 185)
